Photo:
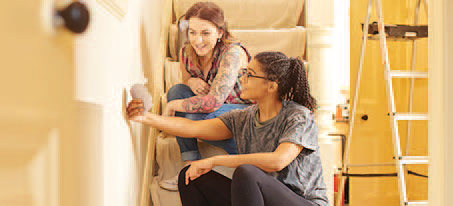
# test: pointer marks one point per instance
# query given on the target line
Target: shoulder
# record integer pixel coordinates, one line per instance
(234, 50)
(245, 111)
(238, 116)
(297, 112)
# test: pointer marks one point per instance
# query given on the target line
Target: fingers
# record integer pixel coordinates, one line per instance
(202, 90)
(135, 107)
(201, 82)
(187, 176)
(191, 174)
(135, 111)
(205, 89)
(134, 104)
(199, 86)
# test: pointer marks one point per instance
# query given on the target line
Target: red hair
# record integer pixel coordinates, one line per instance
(210, 12)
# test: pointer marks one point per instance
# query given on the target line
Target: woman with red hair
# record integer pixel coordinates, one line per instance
(210, 63)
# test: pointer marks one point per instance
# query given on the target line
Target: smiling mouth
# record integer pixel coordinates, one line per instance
(200, 47)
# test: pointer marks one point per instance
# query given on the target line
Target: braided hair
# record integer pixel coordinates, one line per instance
(291, 76)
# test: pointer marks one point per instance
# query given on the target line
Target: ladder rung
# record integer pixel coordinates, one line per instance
(370, 165)
(419, 202)
(408, 74)
(414, 160)
(390, 38)
(411, 116)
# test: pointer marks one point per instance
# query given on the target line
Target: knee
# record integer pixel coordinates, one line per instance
(245, 172)
(178, 91)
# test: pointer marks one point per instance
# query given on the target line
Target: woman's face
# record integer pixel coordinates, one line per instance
(254, 84)
(202, 35)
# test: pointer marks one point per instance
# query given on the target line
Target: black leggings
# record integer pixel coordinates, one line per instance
(250, 186)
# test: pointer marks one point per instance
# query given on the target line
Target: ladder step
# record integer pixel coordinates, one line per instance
(411, 116)
(408, 74)
(420, 202)
(399, 30)
(393, 39)
(414, 160)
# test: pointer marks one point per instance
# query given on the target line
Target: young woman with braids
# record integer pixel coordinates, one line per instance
(279, 160)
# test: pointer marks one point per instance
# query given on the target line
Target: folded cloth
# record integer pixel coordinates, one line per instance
(139, 91)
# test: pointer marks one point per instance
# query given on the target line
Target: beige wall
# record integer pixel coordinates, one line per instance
(449, 111)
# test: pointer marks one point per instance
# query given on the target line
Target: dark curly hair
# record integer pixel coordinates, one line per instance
(291, 76)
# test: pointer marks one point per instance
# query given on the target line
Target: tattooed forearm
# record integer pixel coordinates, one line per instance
(228, 73)
(200, 104)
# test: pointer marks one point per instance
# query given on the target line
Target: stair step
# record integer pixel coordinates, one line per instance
(411, 116)
(414, 160)
(408, 74)
(420, 202)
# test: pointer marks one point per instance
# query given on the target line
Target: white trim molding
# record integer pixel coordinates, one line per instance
(440, 98)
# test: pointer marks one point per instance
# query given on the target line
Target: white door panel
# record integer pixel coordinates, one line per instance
(39, 147)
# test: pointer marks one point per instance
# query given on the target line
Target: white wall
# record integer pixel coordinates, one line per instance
(327, 23)
(108, 62)
(440, 100)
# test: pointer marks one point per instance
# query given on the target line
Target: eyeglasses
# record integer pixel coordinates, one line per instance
(246, 75)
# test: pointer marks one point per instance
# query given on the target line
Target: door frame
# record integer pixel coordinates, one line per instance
(440, 97)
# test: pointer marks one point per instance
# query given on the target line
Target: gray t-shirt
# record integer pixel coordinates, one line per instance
(295, 124)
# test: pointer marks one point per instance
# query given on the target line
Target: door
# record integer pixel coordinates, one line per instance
(40, 150)
(372, 138)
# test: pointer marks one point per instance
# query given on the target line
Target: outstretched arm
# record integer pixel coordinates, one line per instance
(222, 85)
(212, 129)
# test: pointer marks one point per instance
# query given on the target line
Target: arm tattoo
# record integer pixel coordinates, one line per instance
(222, 85)
(200, 104)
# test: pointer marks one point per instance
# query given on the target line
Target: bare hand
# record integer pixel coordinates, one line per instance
(198, 168)
(198, 86)
(135, 108)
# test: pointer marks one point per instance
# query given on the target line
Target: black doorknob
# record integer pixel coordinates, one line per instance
(365, 117)
(76, 17)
